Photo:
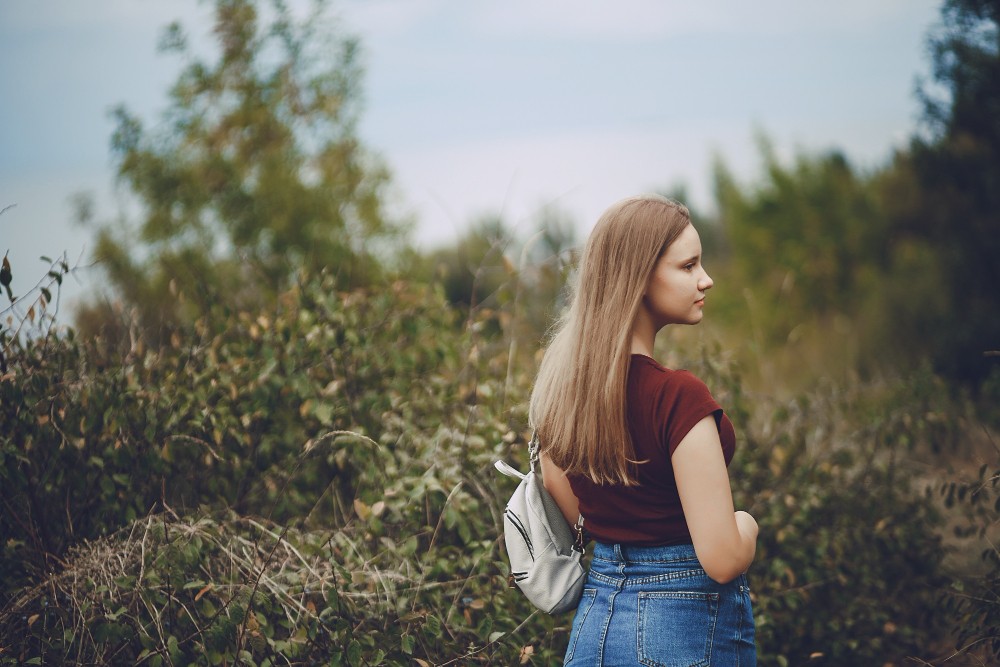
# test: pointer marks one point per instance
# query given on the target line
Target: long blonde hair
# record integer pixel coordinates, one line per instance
(578, 401)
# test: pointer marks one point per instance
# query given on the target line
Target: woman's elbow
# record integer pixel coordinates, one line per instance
(722, 573)
(722, 565)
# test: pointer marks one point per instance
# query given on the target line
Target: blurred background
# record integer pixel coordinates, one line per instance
(232, 226)
(529, 116)
(480, 109)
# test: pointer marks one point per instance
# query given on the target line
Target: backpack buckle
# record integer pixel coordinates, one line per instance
(580, 543)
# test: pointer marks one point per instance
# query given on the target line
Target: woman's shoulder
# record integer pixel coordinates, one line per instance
(649, 371)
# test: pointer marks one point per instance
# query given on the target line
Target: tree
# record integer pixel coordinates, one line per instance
(956, 171)
(808, 241)
(256, 172)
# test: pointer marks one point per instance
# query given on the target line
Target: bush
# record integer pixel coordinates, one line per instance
(972, 601)
(232, 589)
(313, 484)
(848, 564)
(366, 423)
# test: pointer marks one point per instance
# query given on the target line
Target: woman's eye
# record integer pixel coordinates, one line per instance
(689, 267)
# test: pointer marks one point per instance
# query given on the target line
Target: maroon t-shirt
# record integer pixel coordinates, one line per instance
(663, 406)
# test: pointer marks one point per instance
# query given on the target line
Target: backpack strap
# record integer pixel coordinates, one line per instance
(508, 470)
(533, 447)
(580, 543)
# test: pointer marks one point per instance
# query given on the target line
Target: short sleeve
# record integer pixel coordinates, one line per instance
(684, 401)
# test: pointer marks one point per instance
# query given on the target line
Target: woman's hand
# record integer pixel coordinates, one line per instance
(749, 530)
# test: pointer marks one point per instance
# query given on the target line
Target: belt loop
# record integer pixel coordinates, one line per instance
(619, 556)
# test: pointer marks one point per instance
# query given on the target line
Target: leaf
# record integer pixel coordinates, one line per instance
(362, 510)
(409, 617)
(432, 626)
(5, 273)
(323, 412)
(354, 653)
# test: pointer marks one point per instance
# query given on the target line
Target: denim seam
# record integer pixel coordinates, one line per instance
(668, 561)
(611, 612)
(739, 623)
(611, 581)
(672, 576)
(652, 579)
(593, 595)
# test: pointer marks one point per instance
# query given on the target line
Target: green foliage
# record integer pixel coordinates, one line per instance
(809, 235)
(900, 267)
(476, 267)
(906, 254)
(33, 312)
(973, 601)
(956, 174)
(364, 422)
(490, 265)
(313, 483)
(255, 172)
(221, 417)
(849, 560)
(219, 591)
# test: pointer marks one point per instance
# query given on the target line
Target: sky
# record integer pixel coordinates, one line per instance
(481, 108)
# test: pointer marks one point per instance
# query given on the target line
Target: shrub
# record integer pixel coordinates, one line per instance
(848, 564)
(314, 484)
(972, 602)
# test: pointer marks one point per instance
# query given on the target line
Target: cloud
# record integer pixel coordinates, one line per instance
(386, 18)
(33, 15)
(650, 19)
(579, 172)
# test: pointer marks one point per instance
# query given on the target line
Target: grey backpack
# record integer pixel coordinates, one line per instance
(544, 553)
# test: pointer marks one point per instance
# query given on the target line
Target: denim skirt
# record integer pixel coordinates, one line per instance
(656, 606)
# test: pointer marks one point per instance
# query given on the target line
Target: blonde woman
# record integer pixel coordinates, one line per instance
(641, 451)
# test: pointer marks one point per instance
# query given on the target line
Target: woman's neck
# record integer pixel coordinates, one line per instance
(643, 336)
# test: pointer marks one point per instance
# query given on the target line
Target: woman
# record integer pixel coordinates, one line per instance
(641, 452)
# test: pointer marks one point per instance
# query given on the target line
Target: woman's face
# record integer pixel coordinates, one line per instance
(676, 290)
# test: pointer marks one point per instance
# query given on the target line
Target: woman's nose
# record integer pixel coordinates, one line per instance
(706, 282)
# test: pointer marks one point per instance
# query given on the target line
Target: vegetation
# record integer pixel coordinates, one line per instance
(254, 170)
(314, 483)
(277, 446)
(956, 170)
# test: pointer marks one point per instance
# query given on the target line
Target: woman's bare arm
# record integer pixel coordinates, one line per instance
(558, 487)
(724, 540)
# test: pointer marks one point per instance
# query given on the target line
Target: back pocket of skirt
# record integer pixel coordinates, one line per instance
(676, 628)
